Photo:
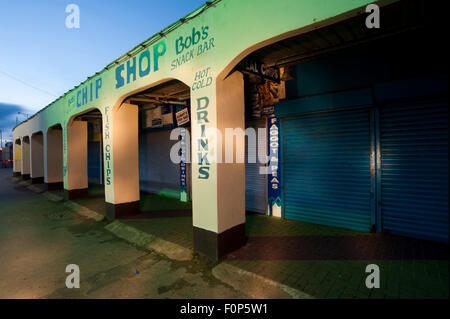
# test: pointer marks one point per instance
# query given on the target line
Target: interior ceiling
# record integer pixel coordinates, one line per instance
(173, 91)
(92, 115)
(394, 19)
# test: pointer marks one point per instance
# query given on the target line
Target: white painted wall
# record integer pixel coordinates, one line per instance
(37, 155)
(54, 156)
(25, 160)
(231, 176)
(77, 175)
(126, 154)
(17, 157)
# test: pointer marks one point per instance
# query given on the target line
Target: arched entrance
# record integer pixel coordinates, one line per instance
(85, 156)
(54, 158)
(353, 120)
(164, 184)
(37, 158)
(17, 157)
(25, 158)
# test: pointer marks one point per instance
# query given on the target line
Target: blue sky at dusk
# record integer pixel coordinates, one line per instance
(40, 59)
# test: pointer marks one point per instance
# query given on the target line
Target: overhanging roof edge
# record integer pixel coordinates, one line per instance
(152, 39)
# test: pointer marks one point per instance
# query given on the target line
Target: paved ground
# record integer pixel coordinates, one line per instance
(38, 238)
(326, 262)
(317, 261)
(322, 261)
(149, 203)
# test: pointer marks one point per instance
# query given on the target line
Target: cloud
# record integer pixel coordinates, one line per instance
(8, 113)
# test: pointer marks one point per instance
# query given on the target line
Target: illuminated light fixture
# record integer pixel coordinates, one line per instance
(287, 74)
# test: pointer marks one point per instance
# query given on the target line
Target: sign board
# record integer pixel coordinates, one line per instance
(268, 110)
(183, 183)
(182, 117)
(157, 116)
(274, 178)
(263, 97)
(257, 68)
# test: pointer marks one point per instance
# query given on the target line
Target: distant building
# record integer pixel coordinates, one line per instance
(6, 153)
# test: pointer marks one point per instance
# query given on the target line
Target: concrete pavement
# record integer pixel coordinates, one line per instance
(40, 235)
(39, 238)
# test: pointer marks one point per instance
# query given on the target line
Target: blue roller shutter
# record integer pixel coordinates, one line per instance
(255, 182)
(157, 172)
(327, 169)
(95, 162)
(414, 169)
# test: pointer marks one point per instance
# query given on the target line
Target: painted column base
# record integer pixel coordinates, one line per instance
(37, 180)
(215, 246)
(117, 211)
(75, 193)
(25, 176)
(16, 174)
(54, 186)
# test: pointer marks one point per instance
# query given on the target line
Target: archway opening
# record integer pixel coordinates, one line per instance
(164, 183)
(85, 156)
(37, 158)
(341, 102)
(17, 157)
(54, 176)
(25, 158)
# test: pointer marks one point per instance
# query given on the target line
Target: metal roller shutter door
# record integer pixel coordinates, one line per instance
(414, 170)
(157, 172)
(95, 162)
(326, 169)
(255, 183)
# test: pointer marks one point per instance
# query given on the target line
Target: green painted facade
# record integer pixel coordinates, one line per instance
(207, 48)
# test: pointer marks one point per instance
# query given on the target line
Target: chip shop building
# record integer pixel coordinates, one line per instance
(355, 120)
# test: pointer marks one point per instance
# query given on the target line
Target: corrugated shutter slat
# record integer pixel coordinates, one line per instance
(414, 169)
(255, 183)
(326, 169)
